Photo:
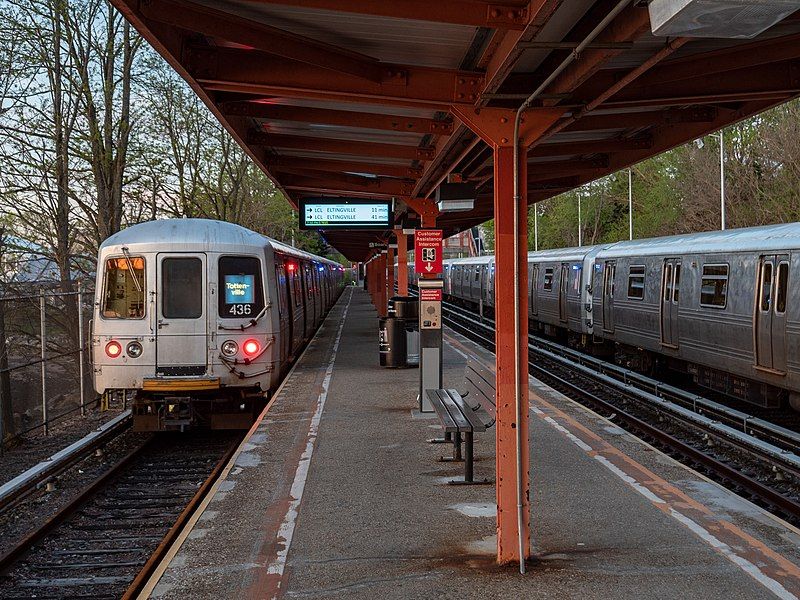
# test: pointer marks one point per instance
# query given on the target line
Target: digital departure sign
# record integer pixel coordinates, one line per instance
(345, 213)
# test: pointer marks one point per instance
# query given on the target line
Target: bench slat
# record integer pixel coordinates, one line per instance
(478, 418)
(441, 411)
(455, 408)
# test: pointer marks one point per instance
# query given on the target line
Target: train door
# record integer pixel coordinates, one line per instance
(563, 288)
(182, 327)
(770, 314)
(534, 293)
(284, 309)
(609, 271)
(670, 297)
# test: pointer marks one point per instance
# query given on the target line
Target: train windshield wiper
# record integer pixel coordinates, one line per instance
(130, 268)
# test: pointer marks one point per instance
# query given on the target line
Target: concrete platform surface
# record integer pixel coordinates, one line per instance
(336, 494)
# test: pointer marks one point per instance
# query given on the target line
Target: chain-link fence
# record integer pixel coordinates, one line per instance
(44, 368)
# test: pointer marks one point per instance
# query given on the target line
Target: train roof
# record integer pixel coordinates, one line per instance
(765, 238)
(202, 232)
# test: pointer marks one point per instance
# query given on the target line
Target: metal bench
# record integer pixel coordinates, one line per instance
(466, 414)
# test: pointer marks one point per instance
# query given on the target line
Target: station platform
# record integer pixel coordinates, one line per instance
(336, 494)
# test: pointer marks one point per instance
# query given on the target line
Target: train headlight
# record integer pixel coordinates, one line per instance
(134, 349)
(251, 347)
(113, 349)
(230, 348)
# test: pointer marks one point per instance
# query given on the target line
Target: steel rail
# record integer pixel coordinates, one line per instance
(15, 489)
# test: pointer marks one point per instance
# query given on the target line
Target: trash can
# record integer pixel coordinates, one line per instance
(392, 342)
(406, 307)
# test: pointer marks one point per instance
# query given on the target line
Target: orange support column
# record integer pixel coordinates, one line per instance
(382, 286)
(402, 263)
(496, 128)
(390, 273)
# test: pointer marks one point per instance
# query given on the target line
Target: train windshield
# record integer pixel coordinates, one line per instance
(242, 293)
(124, 292)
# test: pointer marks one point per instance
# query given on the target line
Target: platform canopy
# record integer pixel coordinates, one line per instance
(360, 97)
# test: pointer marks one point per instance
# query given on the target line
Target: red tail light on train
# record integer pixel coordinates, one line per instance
(113, 349)
(251, 348)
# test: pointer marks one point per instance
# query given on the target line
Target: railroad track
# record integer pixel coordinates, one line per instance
(756, 458)
(106, 543)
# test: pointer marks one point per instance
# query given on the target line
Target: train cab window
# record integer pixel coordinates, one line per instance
(548, 278)
(714, 285)
(241, 292)
(124, 293)
(783, 280)
(636, 282)
(182, 288)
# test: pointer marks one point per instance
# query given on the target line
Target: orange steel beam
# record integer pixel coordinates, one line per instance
(501, 15)
(390, 274)
(223, 25)
(402, 262)
(635, 120)
(382, 283)
(600, 146)
(254, 72)
(295, 142)
(426, 209)
(343, 166)
(378, 188)
(345, 118)
(495, 127)
(309, 170)
(537, 172)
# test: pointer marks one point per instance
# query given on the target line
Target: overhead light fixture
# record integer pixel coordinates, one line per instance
(456, 197)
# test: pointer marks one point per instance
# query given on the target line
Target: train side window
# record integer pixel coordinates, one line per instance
(477, 273)
(783, 279)
(182, 288)
(677, 286)
(636, 282)
(714, 286)
(667, 282)
(294, 278)
(766, 286)
(576, 278)
(124, 293)
(241, 292)
(280, 287)
(548, 278)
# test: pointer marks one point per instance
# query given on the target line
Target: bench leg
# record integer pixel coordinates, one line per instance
(456, 450)
(468, 457)
(468, 465)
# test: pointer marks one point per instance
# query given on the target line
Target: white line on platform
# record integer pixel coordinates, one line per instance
(286, 530)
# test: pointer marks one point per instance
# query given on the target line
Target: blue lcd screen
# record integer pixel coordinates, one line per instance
(240, 289)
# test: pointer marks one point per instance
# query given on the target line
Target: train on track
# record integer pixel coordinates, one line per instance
(720, 307)
(201, 319)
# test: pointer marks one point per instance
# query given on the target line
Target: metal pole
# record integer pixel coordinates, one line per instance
(82, 348)
(43, 344)
(535, 227)
(630, 203)
(580, 236)
(722, 178)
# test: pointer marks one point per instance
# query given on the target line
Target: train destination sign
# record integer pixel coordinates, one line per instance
(428, 251)
(344, 213)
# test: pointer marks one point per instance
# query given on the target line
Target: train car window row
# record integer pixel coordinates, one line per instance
(124, 293)
(182, 288)
(714, 286)
(636, 282)
(241, 291)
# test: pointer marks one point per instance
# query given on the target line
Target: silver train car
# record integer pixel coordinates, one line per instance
(201, 319)
(718, 307)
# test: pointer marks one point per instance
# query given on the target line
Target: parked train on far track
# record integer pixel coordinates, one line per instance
(721, 307)
(201, 319)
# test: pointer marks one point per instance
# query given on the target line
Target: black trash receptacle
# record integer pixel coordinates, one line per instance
(406, 307)
(392, 342)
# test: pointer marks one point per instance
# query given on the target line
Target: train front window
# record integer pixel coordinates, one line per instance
(182, 288)
(124, 293)
(241, 293)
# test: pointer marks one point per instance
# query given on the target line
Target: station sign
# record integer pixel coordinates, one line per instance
(430, 295)
(345, 213)
(428, 251)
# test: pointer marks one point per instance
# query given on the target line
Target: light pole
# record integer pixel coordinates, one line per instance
(630, 203)
(535, 227)
(580, 236)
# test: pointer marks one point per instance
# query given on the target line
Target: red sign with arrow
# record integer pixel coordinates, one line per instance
(428, 251)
